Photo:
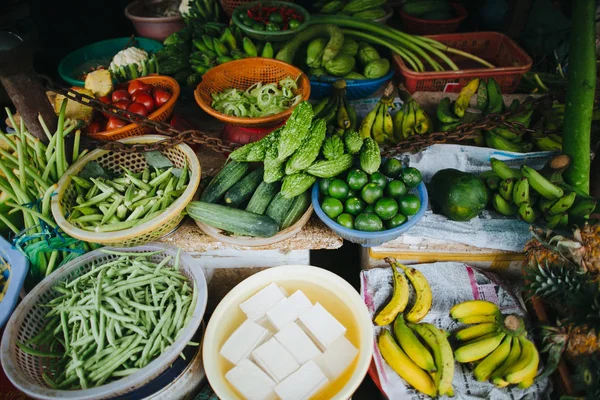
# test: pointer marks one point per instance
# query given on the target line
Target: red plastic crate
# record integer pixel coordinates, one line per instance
(511, 63)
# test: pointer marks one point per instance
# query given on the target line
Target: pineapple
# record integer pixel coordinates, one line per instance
(75, 110)
(553, 283)
(99, 82)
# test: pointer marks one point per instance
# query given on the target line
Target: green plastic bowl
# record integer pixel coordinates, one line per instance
(268, 36)
(69, 67)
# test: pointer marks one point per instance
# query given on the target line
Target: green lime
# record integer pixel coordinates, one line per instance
(338, 189)
(273, 27)
(370, 208)
(332, 207)
(324, 186)
(258, 26)
(368, 222)
(275, 17)
(354, 206)
(409, 204)
(294, 23)
(395, 189)
(346, 220)
(411, 177)
(371, 193)
(398, 220)
(392, 168)
(357, 179)
(379, 179)
(386, 208)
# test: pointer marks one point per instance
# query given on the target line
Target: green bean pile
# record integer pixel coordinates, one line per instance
(109, 205)
(113, 320)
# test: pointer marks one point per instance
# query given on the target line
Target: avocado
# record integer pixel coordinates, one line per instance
(458, 195)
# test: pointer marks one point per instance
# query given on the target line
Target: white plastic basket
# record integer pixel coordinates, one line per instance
(25, 371)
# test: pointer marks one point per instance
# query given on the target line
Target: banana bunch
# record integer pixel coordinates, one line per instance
(378, 123)
(428, 367)
(496, 343)
(201, 10)
(336, 110)
(223, 44)
(533, 195)
(411, 119)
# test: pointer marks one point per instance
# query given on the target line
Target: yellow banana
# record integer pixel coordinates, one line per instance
(404, 366)
(408, 124)
(486, 367)
(398, 118)
(412, 346)
(377, 130)
(424, 297)
(478, 349)
(422, 120)
(473, 307)
(527, 363)
(367, 124)
(397, 303)
(442, 353)
(513, 357)
(388, 125)
(464, 97)
(475, 331)
(478, 319)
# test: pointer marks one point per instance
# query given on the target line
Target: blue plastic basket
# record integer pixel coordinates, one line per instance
(19, 265)
(369, 239)
(105, 49)
(322, 86)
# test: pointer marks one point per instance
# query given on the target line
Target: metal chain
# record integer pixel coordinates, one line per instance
(412, 144)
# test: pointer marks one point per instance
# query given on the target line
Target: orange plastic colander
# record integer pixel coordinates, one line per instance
(242, 74)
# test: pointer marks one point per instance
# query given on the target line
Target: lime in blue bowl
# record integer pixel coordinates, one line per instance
(79, 62)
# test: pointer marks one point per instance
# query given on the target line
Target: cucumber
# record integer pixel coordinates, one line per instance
(242, 190)
(239, 222)
(226, 178)
(297, 210)
(418, 8)
(279, 207)
(262, 197)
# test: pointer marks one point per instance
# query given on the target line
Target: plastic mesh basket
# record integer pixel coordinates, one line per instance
(242, 74)
(510, 60)
(140, 234)
(159, 115)
(25, 371)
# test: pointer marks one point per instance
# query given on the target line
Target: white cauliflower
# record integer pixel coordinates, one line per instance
(131, 55)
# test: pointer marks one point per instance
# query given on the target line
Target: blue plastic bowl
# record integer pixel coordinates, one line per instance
(322, 86)
(104, 50)
(369, 239)
(19, 265)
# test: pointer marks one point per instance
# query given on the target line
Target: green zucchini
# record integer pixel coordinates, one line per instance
(239, 222)
(226, 178)
(243, 189)
(262, 197)
(279, 207)
(297, 210)
(581, 88)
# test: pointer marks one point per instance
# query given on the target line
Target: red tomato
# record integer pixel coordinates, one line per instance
(95, 127)
(137, 108)
(161, 96)
(145, 99)
(119, 95)
(136, 85)
(122, 104)
(114, 123)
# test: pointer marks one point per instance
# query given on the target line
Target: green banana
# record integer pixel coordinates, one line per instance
(224, 59)
(521, 191)
(552, 221)
(200, 45)
(388, 124)
(329, 117)
(564, 220)
(556, 137)
(546, 143)
(496, 141)
(208, 42)
(482, 96)
(237, 55)
(540, 184)
(523, 117)
(317, 108)
(496, 102)
(506, 189)
(545, 204)
(444, 112)
(582, 207)
(367, 124)
(378, 133)
(353, 118)
(249, 47)
(220, 48)
(267, 51)
(514, 105)
(563, 204)
(493, 182)
(342, 117)
(398, 118)
(527, 213)
(503, 170)
(228, 38)
(449, 127)
(408, 124)
(503, 206)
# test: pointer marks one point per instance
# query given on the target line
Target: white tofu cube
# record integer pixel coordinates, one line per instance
(321, 326)
(288, 310)
(257, 306)
(251, 381)
(246, 338)
(297, 343)
(337, 358)
(302, 384)
(275, 360)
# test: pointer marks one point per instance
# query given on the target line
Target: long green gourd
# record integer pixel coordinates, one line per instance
(581, 89)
